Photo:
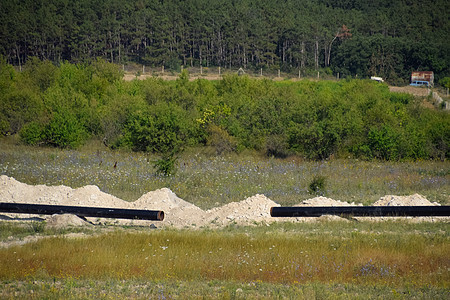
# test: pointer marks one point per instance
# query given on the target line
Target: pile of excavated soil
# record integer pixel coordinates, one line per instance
(252, 210)
(413, 200)
(324, 201)
(178, 213)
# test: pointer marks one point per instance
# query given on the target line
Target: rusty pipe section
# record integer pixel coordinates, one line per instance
(82, 211)
(361, 211)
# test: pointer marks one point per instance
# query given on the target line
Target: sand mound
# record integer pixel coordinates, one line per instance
(162, 199)
(323, 201)
(178, 213)
(90, 195)
(413, 200)
(59, 221)
(14, 191)
(252, 210)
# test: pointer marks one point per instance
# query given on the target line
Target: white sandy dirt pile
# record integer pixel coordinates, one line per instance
(324, 201)
(253, 210)
(178, 213)
(14, 191)
(413, 200)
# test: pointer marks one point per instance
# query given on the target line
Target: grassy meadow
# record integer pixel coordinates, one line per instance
(207, 180)
(335, 259)
(392, 260)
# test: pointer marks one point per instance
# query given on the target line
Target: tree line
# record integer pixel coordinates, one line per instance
(64, 106)
(357, 38)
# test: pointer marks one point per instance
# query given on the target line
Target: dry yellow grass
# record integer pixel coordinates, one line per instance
(279, 254)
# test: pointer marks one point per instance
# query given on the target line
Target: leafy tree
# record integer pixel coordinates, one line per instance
(41, 73)
(445, 82)
(64, 131)
(162, 130)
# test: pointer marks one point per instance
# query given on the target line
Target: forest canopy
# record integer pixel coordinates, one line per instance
(356, 38)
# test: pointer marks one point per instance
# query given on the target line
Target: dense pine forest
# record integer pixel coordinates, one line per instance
(357, 38)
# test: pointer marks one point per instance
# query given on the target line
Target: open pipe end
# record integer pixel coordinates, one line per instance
(271, 211)
(160, 215)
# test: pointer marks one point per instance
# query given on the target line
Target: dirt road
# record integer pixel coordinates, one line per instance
(416, 91)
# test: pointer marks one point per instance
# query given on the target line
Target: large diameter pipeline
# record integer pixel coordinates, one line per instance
(361, 211)
(82, 211)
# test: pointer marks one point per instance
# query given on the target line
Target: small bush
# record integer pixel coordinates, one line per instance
(277, 146)
(400, 98)
(220, 140)
(317, 185)
(64, 131)
(17, 109)
(32, 133)
(41, 73)
(37, 226)
(166, 165)
(383, 143)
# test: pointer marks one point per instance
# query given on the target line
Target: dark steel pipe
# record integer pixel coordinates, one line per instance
(82, 211)
(361, 211)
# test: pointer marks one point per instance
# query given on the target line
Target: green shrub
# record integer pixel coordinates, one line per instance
(18, 108)
(315, 139)
(277, 146)
(64, 131)
(137, 132)
(118, 109)
(32, 133)
(166, 164)
(220, 139)
(445, 82)
(383, 143)
(317, 185)
(37, 226)
(438, 135)
(107, 71)
(161, 129)
(41, 73)
(61, 106)
(401, 98)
